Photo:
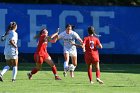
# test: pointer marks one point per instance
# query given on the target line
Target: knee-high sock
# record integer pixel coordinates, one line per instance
(14, 72)
(97, 73)
(90, 73)
(74, 67)
(5, 69)
(34, 71)
(65, 66)
(54, 70)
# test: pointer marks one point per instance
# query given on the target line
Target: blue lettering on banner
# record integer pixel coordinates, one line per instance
(118, 26)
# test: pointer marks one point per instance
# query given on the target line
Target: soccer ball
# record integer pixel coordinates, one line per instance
(71, 67)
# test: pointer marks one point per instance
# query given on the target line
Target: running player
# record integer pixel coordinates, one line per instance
(11, 50)
(69, 36)
(90, 45)
(41, 55)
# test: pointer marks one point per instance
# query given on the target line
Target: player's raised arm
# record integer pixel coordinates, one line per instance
(54, 37)
(56, 33)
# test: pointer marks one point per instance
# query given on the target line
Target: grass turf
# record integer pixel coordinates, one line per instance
(118, 78)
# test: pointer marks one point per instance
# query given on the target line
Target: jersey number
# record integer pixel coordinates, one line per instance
(91, 44)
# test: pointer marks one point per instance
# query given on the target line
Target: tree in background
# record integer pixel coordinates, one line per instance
(79, 2)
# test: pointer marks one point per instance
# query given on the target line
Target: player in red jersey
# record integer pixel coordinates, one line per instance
(41, 55)
(90, 45)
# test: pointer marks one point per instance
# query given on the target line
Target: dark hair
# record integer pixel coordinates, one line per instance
(91, 30)
(12, 25)
(41, 31)
(70, 25)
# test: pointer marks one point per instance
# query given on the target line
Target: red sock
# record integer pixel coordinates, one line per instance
(34, 70)
(90, 74)
(54, 70)
(97, 73)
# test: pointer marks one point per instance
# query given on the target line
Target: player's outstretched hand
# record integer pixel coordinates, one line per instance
(56, 33)
(58, 30)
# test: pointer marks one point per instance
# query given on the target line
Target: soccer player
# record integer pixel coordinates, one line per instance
(41, 55)
(69, 36)
(11, 51)
(90, 45)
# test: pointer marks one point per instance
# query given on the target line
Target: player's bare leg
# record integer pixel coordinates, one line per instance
(72, 74)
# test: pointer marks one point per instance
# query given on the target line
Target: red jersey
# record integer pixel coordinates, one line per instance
(41, 53)
(91, 43)
(41, 48)
(91, 53)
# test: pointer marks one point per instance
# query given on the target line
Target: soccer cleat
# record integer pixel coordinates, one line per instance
(29, 76)
(65, 74)
(57, 78)
(13, 80)
(1, 78)
(91, 82)
(100, 81)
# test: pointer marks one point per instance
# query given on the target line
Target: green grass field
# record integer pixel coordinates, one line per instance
(118, 78)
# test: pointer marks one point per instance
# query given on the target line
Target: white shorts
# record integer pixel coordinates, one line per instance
(71, 52)
(8, 57)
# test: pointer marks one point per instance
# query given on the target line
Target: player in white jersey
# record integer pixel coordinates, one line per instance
(69, 37)
(11, 51)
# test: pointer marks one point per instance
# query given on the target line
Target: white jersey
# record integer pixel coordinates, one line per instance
(68, 38)
(9, 49)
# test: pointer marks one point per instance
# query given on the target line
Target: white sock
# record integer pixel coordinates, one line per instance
(65, 66)
(5, 69)
(14, 72)
(74, 67)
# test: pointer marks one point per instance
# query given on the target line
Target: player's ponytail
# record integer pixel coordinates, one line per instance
(40, 33)
(11, 26)
(91, 30)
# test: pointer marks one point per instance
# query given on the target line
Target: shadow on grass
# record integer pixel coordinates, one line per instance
(121, 86)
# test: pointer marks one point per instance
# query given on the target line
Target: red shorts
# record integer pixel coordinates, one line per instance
(40, 58)
(91, 59)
